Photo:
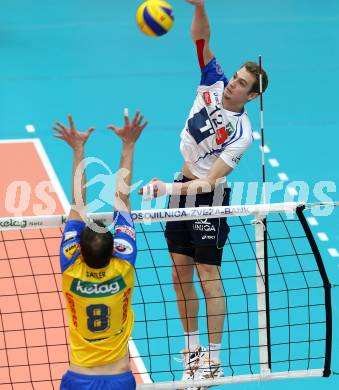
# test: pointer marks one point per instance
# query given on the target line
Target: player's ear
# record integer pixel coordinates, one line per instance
(251, 96)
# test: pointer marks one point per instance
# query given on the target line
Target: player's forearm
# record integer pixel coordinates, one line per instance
(124, 178)
(193, 187)
(78, 169)
(200, 24)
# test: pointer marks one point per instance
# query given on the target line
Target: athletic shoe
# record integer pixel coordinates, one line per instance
(208, 369)
(191, 362)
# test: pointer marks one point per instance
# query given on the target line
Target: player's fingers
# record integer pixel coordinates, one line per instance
(63, 127)
(143, 126)
(90, 130)
(135, 119)
(71, 122)
(139, 120)
(58, 130)
(147, 192)
(114, 128)
(126, 119)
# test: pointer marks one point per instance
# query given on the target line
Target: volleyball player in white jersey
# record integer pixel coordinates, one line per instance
(216, 135)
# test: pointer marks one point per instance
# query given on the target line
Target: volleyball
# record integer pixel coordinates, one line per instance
(155, 17)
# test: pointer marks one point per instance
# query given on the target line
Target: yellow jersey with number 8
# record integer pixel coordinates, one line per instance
(98, 301)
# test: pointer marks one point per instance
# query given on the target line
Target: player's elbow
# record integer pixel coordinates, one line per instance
(201, 36)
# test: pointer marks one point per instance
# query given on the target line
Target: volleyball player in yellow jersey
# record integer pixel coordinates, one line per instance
(98, 274)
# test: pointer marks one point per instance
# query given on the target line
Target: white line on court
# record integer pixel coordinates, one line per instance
(266, 149)
(16, 141)
(256, 135)
(274, 162)
(30, 128)
(333, 252)
(312, 221)
(139, 362)
(322, 236)
(282, 176)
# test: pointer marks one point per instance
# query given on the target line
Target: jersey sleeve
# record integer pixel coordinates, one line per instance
(70, 243)
(211, 73)
(124, 237)
(234, 152)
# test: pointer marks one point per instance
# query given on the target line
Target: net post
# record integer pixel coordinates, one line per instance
(263, 294)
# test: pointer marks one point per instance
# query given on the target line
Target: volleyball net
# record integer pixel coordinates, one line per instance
(278, 297)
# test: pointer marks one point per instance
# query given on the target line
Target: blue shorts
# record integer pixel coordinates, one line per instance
(74, 381)
(201, 239)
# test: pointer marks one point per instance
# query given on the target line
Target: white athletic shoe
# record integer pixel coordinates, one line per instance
(191, 362)
(209, 369)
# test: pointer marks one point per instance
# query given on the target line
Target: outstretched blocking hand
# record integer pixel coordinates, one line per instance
(75, 138)
(131, 131)
(154, 189)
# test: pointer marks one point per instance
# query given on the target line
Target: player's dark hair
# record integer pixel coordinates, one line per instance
(96, 248)
(254, 69)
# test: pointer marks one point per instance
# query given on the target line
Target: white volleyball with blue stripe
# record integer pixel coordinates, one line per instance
(155, 17)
